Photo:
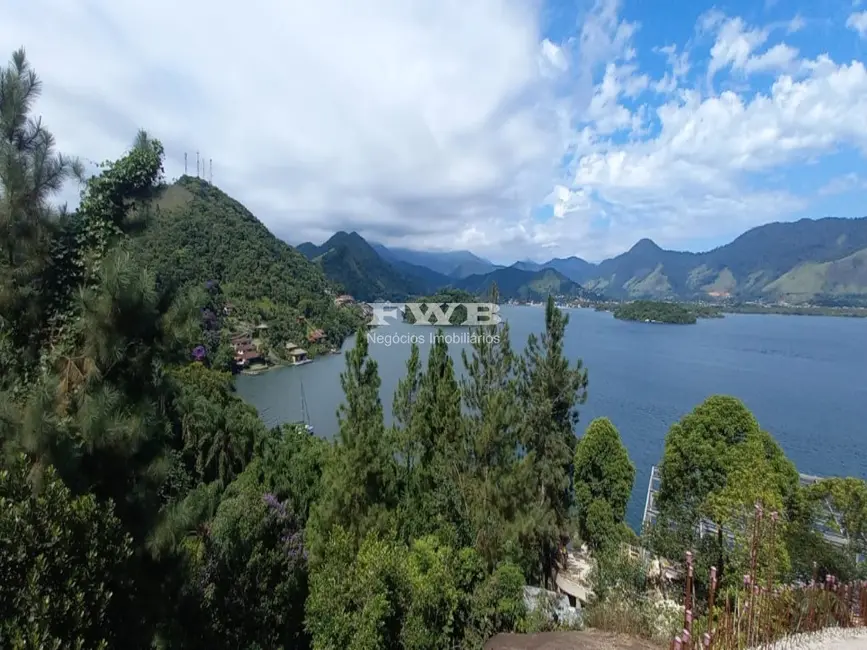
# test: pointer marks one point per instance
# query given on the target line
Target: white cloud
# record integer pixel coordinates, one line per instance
(780, 57)
(858, 22)
(445, 125)
(796, 24)
(734, 45)
(842, 184)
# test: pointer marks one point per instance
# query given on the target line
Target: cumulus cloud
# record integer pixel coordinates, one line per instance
(447, 125)
(858, 22)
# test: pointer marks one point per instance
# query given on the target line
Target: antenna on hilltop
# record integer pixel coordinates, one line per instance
(197, 164)
(211, 171)
(185, 163)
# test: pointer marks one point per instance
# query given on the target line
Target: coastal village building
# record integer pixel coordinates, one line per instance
(296, 354)
(245, 350)
(316, 336)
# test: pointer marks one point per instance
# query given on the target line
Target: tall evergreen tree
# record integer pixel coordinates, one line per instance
(31, 175)
(493, 415)
(440, 504)
(359, 480)
(550, 390)
(405, 414)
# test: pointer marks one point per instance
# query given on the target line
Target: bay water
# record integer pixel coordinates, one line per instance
(804, 378)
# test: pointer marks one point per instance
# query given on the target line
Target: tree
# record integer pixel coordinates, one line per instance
(31, 174)
(291, 467)
(404, 410)
(550, 391)
(717, 465)
(62, 559)
(359, 478)
(845, 501)
(437, 502)
(254, 572)
(220, 431)
(358, 598)
(603, 472)
(494, 482)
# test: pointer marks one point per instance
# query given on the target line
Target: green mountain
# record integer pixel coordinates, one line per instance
(455, 264)
(804, 261)
(517, 284)
(574, 268)
(198, 234)
(349, 261)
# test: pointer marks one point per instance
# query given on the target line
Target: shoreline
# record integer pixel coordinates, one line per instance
(261, 370)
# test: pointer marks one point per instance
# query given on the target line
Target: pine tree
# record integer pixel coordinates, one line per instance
(492, 423)
(359, 481)
(405, 414)
(550, 390)
(439, 504)
(31, 174)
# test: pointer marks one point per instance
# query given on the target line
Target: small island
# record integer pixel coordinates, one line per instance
(648, 311)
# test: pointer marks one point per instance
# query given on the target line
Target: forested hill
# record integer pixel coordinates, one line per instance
(349, 261)
(518, 284)
(197, 233)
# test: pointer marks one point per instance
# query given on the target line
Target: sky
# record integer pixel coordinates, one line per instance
(518, 129)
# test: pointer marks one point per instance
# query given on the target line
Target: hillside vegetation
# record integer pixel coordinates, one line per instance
(196, 234)
(143, 505)
(655, 312)
(353, 264)
(524, 285)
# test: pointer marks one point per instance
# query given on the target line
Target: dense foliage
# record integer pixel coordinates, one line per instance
(349, 261)
(645, 311)
(198, 235)
(603, 478)
(143, 505)
(518, 284)
(717, 464)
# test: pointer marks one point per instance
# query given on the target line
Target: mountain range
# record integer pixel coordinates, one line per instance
(808, 261)
(374, 272)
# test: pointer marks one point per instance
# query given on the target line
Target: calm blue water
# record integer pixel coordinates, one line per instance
(805, 379)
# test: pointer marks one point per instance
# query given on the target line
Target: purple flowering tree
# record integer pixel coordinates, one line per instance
(254, 578)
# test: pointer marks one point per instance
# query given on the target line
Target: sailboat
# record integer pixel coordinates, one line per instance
(304, 414)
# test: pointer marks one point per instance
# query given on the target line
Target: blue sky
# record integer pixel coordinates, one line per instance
(514, 128)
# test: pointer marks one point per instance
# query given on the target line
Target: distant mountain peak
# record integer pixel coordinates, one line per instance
(645, 244)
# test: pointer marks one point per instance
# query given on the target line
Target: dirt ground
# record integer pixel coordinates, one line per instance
(586, 640)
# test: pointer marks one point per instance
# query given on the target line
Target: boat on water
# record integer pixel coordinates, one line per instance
(304, 413)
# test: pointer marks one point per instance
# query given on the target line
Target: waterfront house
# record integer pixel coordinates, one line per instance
(246, 353)
(316, 336)
(296, 354)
